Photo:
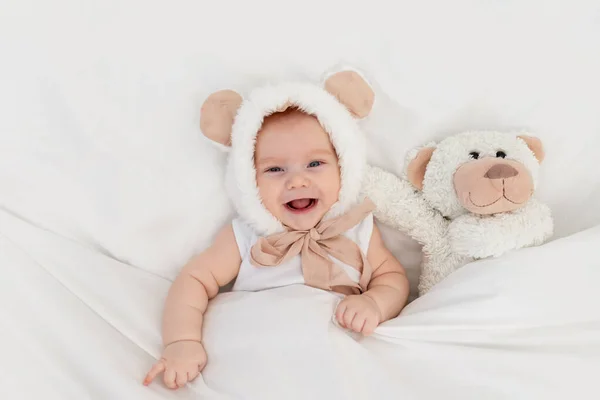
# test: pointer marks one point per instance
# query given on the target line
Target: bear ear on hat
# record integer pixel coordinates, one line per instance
(352, 90)
(217, 115)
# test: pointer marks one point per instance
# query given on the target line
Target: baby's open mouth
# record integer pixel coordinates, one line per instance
(301, 205)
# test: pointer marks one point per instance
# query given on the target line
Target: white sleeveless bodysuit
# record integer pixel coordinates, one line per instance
(251, 278)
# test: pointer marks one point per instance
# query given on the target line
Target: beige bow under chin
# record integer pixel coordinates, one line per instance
(315, 246)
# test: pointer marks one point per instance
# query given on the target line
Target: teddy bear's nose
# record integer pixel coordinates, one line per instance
(501, 171)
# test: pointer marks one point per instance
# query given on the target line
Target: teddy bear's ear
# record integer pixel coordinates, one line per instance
(415, 171)
(535, 145)
(217, 115)
(353, 91)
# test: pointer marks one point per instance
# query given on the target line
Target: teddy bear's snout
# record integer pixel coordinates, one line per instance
(501, 171)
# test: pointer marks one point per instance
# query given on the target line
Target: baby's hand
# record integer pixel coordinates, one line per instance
(181, 362)
(358, 313)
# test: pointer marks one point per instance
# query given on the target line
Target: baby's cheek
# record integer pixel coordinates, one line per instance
(333, 185)
(269, 194)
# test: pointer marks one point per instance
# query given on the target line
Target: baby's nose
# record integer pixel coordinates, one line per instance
(298, 180)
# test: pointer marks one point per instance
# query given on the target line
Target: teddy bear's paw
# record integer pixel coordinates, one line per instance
(468, 237)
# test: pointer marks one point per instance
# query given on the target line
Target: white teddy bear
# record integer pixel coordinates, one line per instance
(466, 198)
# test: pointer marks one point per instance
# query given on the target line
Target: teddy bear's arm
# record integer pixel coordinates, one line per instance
(402, 207)
(491, 236)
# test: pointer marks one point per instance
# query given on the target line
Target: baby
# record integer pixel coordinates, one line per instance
(326, 237)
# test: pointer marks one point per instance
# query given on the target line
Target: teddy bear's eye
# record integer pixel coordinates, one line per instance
(501, 154)
(474, 155)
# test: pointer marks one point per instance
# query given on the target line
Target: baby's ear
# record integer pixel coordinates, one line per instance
(415, 171)
(353, 91)
(217, 115)
(535, 145)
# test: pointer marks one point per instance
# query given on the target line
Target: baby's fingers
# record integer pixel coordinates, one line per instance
(358, 323)
(181, 379)
(154, 371)
(192, 373)
(349, 317)
(339, 313)
(169, 378)
(370, 325)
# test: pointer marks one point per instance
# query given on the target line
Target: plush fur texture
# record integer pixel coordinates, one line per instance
(402, 207)
(433, 215)
(345, 135)
(438, 185)
(232, 123)
(477, 237)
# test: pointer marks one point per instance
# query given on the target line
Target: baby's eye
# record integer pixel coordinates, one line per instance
(273, 169)
(314, 164)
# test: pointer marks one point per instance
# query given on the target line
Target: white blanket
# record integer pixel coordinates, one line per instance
(77, 324)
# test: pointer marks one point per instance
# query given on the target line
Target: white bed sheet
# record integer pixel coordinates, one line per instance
(78, 324)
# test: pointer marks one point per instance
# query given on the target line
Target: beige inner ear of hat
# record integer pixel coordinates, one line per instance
(351, 90)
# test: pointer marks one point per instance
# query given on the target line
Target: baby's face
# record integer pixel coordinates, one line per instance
(297, 169)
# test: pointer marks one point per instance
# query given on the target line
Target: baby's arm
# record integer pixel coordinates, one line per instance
(386, 295)
(389, 286)
(183, 356)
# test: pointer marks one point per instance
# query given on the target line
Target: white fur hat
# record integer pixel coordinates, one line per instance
(233, 122)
